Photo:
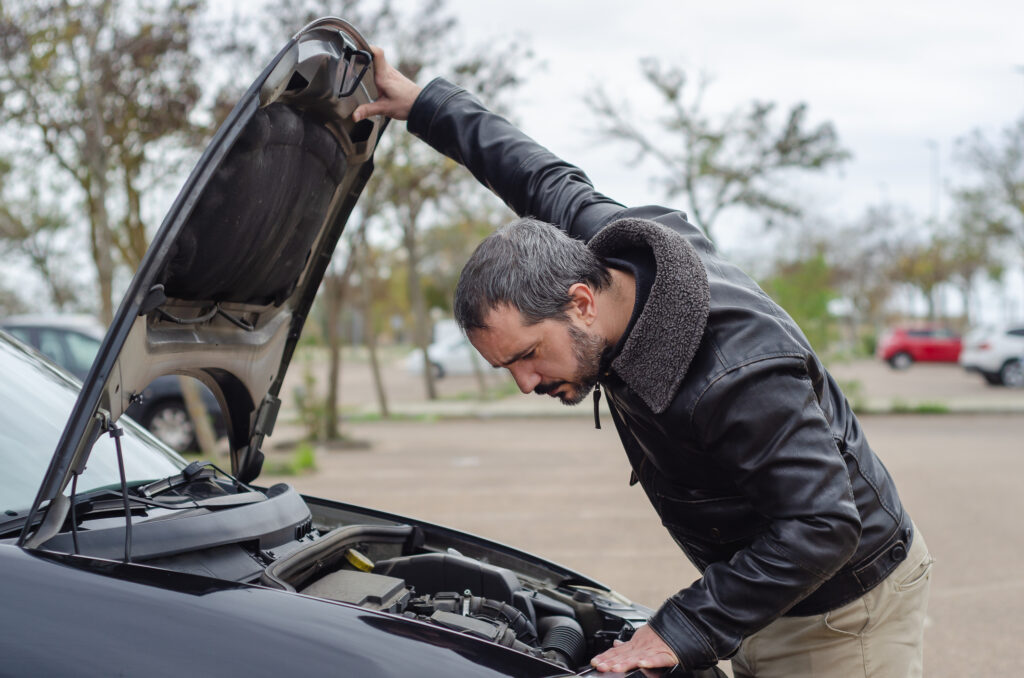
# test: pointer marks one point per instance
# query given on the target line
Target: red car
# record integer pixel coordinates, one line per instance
(902, 346)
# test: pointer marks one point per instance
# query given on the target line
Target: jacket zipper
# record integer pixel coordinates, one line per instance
(597, 400)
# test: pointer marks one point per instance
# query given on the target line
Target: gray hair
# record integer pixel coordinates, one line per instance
(528, 265)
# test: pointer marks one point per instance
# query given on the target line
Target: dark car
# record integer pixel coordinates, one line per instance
(72, 341)
(119, 558)
(903, 346)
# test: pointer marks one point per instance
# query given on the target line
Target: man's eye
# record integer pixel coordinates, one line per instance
(529, 354)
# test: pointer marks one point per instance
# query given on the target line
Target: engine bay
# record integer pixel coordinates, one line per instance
(203, 523)
(380, 568)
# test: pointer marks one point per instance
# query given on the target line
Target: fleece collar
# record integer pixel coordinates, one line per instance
(664, 338)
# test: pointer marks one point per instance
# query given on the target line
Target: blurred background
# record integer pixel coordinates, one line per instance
(864, 162)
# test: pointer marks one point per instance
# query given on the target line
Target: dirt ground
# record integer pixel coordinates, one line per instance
(558, 488)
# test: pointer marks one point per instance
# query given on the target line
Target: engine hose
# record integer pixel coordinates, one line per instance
(564, 636)
(496, 609)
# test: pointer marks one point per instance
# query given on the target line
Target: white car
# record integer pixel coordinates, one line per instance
(451, 354)
(996, 353)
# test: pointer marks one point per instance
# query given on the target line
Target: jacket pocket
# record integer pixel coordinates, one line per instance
(715, 520)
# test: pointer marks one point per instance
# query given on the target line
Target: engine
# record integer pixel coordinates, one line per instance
(563, 622)
(356, 556)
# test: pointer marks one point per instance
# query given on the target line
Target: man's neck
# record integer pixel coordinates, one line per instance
(617, 302)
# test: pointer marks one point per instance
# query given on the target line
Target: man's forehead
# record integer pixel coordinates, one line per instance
(506, 338)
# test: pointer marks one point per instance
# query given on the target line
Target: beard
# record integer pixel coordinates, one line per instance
(589, 350)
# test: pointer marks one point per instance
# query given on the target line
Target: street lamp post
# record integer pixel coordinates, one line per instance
(934, 146)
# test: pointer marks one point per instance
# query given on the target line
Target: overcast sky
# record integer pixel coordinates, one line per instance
(901, 81)
(890, 75)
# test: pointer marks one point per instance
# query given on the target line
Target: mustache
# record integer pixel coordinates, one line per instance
(549, 387)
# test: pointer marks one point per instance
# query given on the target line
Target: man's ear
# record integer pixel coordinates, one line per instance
(582, 303)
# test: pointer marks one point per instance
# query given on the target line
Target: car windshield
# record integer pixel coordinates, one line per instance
(35, 401)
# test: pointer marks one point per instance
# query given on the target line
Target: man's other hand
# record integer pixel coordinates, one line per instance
(645, 650)
(396, 93)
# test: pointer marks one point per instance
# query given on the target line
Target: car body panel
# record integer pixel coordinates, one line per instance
(136, 620)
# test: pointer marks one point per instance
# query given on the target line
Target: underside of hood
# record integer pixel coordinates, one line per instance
(224, 289)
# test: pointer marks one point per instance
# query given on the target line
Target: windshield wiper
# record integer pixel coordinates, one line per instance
(106, 501)
(194, 471)
(197, 470)
(110, 501)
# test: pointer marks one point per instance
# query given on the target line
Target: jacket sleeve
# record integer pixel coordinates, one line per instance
(762, 423)
(529, 178)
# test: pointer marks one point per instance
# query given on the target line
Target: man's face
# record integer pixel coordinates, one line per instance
(554, 357)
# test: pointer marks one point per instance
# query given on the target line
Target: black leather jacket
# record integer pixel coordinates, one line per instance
(752, 457)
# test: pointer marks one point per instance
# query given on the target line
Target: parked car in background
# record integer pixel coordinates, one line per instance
(903, 346)
(450, 353)
(996, 352)
(71, 341)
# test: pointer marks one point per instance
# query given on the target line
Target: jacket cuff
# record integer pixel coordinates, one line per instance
(430, 100)
(691, 648)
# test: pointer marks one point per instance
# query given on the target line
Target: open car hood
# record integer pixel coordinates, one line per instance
(225, 287)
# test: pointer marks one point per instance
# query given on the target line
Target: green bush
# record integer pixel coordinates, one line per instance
(301, 460)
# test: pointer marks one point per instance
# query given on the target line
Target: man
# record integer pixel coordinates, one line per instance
(742, 441)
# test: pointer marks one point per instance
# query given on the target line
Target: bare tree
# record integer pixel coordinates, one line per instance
(98, 87)
(992, 210)
(32, 230)
(104, 90)
(975, 246)
(718, 164)
(863, 256)
(999, 198)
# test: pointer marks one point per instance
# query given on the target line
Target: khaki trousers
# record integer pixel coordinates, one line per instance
(879, 635)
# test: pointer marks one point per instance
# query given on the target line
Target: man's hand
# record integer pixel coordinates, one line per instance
(396, 93)
(645, 650)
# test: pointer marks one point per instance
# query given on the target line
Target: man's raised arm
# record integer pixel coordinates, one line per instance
(530, 179)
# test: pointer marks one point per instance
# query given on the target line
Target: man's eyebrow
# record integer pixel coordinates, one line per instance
(517, 356)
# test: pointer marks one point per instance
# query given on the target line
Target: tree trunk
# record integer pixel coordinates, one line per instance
(134, 228)
(967, 294)
(478, 374)
(205, 436)
(369, 335)
(421, 326)
(102, 243)
(96, 163)
(332, 300)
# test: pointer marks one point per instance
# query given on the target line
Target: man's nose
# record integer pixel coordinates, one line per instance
(526, 380)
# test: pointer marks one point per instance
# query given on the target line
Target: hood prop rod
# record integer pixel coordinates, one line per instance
(116, 432)
(74, 518)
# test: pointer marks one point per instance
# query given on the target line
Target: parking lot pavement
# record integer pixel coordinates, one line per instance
(871, 385)
(878, 387)
(558, 488)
